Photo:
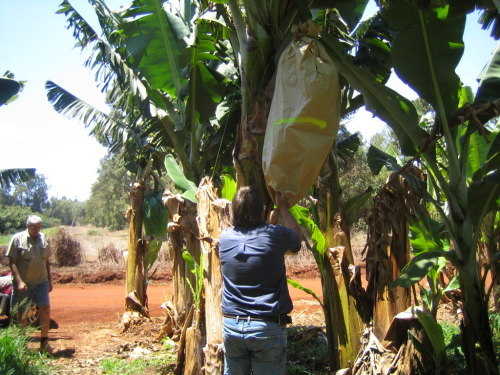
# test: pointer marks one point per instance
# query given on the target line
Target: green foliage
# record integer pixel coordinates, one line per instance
(378, 159)
(108, 202)
(455, 359)
(10, 177)
(16, 358)
(306, 357)
(154, 214)
(13, 218)
(435, 334)
(28, 192)
(301, 214)
(352, 207)
(394, 109)
(197, 270)
(297, 285)
(180, 181)
(155, 220)
(490, 80)
(417, 268)
(160, 364)
(69, 212)
(9, 91)
(228, 187)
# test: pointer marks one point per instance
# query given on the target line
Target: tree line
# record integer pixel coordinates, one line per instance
(106, 206)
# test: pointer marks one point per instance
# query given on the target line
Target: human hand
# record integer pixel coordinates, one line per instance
(281, 200)
(273, 217)
(21, 286)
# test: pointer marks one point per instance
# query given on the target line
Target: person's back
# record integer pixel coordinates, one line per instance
(253, 269)
(255, 300)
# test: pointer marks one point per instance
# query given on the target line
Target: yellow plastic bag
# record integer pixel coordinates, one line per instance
(303, 119)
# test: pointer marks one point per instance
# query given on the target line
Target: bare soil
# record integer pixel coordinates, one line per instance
(88, 316)
(88, 301)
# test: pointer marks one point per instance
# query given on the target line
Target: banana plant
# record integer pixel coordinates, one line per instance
(196, 268)
(158, 66)
(13, 176)
(426, 48)
(339, 318)
(431, 249)
(9, 88)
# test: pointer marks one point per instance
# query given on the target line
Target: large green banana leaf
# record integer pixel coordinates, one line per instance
(154, 38)
(397, 111)
(427, 48)
(14, 176)
(8, 89)
(489, 86)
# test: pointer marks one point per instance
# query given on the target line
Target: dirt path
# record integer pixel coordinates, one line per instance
(88, 317)
(103, 303)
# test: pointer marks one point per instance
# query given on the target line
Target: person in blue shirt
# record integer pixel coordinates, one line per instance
(255, 297)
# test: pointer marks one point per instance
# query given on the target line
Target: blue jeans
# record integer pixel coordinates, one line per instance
(254, 345)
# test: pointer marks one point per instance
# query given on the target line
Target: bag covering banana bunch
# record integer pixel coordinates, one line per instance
(303, 119)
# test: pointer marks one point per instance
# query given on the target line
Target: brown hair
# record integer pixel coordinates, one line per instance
(248, 207)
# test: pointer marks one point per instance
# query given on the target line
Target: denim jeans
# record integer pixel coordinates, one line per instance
(254, 345)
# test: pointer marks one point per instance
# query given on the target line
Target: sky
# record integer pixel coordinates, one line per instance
(36, 47)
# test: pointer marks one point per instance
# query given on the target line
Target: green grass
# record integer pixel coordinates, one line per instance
(306, 358)
(93, 232)
(16, 358)
(119, 366)
(161, 363)
(5, 239)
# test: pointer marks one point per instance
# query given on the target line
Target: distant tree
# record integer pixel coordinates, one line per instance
(355, 175)
(70, 212)
(32, 193)
(108, 200)
(13, 218)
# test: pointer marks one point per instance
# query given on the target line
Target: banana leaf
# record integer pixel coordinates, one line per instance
(397, 111)
(426, 49)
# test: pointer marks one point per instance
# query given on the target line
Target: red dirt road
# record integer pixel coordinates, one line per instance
(104, 303)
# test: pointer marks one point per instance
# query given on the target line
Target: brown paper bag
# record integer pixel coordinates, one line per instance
(303, 119)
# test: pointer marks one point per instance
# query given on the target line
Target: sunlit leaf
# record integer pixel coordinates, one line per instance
(417, 268)
(228, 187)
(179, 179)
(295, 284)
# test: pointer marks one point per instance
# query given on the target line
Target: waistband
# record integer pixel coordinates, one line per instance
(280, 319)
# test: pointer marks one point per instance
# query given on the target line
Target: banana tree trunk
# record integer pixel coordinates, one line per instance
(343, 310)
(213, 216)
(477, 342)
(491, 233)
(135, 279)
(249, 140)
(388, 251)
(177, 241)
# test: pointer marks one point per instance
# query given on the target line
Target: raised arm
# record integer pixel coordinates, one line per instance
(283, 210)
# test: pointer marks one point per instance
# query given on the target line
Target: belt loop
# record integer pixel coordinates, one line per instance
(237, 319)
(248, 319)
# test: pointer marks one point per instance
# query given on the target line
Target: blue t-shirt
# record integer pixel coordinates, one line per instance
(253, 269)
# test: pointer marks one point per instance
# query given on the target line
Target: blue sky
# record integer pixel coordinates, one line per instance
(36, 46)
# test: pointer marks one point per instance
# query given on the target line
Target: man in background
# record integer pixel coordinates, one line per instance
(29, 254)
